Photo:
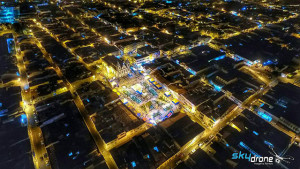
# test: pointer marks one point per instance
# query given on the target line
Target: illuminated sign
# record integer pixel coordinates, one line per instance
(8, 14)
(265, 116)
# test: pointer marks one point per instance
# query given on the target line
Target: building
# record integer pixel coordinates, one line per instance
(115, 67)
(129, 47)
(283, 103)
(9, 14)
(146, 54)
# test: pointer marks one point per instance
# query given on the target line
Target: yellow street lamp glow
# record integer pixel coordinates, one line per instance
(216, 122)
(113, 83)
(235, 127)
(124, 100)
(106, 40)
(166, 31)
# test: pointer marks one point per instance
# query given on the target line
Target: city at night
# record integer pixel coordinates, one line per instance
(150, 84)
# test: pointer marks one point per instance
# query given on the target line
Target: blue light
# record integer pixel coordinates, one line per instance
(269, 144)
(23, 118)
(2, 113)
(256, 133)
(67, 134)
(244, 8)
(219, 58)
(265, 116)
(175, 103)
(8, 41)
(88, 100)
(156, 149)
(282, 102)
(98, 15)
(167, 95)
(134, 14)
(191, 71)
(249, 63)
(7, 15)
(70, 154)
(133, 164)
(227, 145)
(242, 144)
(18, 74)
(148, 156)
(259, 25)
(26, 87)
(216, 87)
(269, 62)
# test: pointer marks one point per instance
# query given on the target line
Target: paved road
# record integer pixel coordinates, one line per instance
(129, 135)
(207, 134)
(203, 138)
(84, 113)
(34, 132)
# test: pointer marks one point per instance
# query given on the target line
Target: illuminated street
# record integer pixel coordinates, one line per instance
(34, 132)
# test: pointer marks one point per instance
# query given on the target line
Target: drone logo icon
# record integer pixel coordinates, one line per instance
(279, 158)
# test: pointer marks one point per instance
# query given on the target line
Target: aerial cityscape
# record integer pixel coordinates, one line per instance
(146, 84)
